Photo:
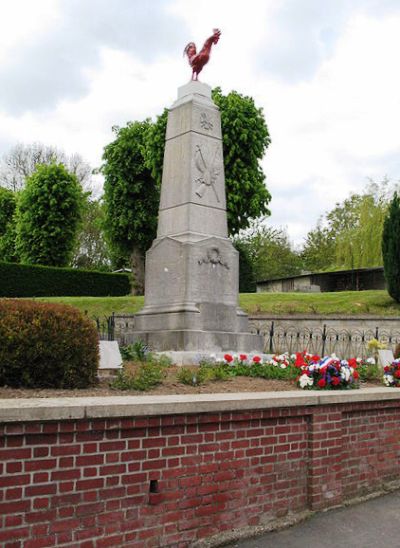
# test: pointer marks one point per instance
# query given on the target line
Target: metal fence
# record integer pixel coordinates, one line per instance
(323, 340)
(279, 338)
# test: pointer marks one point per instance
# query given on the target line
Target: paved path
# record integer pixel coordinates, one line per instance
(371, 524)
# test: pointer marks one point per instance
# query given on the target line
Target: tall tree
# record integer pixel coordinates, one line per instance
(270, 252)
(131, 197)
(22, 160)
(92, 251)
(349, 236)
(48, 216)
(7, 225)
(245, 140)
(391, 248)
(318, 251)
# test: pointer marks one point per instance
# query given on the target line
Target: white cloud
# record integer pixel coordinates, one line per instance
(333, 125)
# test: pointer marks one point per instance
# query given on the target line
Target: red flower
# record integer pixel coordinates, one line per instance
(322, 383)
(242, 357)
(397, 374)
(335, 381)
(315, 358)
(256, 359)
(352, 362)
(356, 375)
(386, 368)
(228, 358)
(299, 360)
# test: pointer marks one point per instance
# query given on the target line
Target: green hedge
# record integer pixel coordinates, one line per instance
(18, 280)
(46, 345)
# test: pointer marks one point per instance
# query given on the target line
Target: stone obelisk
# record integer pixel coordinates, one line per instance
(192, 269)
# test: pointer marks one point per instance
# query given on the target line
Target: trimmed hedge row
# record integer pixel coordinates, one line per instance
(46, 345)
(19, 280)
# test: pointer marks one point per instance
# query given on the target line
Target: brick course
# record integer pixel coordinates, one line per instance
(170, 480)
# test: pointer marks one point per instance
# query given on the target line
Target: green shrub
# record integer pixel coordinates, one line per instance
(136, 351)
(46, 346)
(205, 372)
(19, 280)
(146, 376)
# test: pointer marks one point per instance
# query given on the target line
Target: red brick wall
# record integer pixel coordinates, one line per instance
(87, 482)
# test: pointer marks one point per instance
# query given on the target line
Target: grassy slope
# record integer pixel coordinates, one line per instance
(345, 302)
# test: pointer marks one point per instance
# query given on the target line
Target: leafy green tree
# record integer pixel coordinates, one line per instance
(358, 242)
(270, 252)
(48, 216)
(92, 251)
(318, 251)
(391, 248)
(352, 232)
(131, 197)
(7, 225)
(247, 279)
(245, 140)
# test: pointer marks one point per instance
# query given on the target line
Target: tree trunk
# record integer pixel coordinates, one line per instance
(137, 265)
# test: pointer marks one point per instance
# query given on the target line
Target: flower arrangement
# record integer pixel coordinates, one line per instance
(328, 373)
(391, 374)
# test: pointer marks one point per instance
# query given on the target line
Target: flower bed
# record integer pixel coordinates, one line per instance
(310, 371)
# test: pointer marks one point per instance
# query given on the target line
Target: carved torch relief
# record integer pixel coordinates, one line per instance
(208, 164)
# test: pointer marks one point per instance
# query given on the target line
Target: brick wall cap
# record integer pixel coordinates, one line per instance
(50, 409)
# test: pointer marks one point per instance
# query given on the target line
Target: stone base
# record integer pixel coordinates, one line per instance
(199, 342)
(193, 358)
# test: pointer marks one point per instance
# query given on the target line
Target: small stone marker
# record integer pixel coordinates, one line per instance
(110, 358)
(385, 357)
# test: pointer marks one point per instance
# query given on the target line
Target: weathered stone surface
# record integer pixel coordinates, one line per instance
(110, 356)
(192, 268)
(385, 357)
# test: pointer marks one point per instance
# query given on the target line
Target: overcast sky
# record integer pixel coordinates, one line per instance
(325, 72)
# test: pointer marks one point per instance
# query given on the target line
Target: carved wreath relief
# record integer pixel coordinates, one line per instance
(208, 163)
(214, 258)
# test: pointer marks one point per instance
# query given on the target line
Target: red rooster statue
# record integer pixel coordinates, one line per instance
(198, 60)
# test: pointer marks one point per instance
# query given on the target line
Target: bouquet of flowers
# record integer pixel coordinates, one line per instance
(391, 374)
(329, 373)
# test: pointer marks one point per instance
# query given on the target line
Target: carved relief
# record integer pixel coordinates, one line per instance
(214, 258)
(208, 163)
(205, 122)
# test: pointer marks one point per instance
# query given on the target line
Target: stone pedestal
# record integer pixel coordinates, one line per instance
(192, 269)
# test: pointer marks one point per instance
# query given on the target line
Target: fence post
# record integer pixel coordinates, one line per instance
(377, 333)
(323, 340)
(271, 336)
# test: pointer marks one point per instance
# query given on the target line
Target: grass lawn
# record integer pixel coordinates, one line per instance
(345, 302)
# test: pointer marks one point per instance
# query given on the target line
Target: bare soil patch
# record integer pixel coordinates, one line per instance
(170, 385)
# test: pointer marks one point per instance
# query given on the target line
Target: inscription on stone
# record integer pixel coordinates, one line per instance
(214, 258)
(209, 165)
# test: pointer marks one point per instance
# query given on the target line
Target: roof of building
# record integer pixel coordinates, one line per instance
(329, 273)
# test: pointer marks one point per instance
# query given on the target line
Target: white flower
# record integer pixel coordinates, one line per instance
(305, 380)
(371, 361)
(388, 379)
(283, 366)
(345, 373)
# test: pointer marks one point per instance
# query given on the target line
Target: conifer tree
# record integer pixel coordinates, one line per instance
(391, 248)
